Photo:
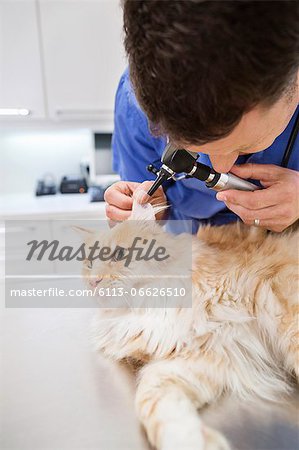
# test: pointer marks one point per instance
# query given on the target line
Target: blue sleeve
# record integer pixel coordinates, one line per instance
(133, 146)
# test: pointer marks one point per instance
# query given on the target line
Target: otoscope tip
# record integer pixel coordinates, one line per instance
(157, 183)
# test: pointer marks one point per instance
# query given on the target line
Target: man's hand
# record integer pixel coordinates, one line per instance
(276, 206)
(119, 199)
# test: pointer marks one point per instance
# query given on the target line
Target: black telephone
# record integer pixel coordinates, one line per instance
(46, 186)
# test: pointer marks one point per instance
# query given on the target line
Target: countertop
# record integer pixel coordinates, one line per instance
(57, 394)
(27, 206)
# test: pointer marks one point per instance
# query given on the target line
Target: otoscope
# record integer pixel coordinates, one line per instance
(177, 160)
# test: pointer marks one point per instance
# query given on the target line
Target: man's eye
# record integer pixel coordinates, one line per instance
(118, 254)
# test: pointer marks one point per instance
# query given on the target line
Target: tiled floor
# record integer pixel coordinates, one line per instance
(57, 395)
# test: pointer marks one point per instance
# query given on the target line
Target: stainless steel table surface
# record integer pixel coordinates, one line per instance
(57, 394)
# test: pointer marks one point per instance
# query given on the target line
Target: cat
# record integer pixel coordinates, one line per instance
(240, 335)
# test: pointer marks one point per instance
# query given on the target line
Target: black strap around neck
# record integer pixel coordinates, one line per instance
(291, 142)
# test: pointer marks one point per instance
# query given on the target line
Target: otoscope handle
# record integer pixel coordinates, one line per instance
(225, 181)
(235, 182)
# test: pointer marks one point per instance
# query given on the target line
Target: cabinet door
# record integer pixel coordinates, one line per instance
(20, 63)
(83, 57)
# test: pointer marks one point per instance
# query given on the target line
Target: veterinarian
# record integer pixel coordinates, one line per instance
(221, 79)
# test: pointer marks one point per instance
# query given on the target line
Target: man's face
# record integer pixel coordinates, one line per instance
(255, 132)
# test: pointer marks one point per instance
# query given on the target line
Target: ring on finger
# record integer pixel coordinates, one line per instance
(256, 222)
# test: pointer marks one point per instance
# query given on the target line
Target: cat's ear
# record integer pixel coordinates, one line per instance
(144, 211)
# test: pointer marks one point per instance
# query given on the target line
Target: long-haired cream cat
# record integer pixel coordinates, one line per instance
(241, 334)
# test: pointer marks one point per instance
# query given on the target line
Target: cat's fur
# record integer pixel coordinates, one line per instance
(241, 334)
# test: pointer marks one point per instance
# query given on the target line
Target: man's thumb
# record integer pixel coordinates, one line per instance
(140, 194)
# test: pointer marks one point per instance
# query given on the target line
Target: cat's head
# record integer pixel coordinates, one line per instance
(139, 247)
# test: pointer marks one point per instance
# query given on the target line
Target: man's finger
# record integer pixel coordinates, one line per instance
(262, 198)
(140, 193)
(264, 172)
(114, 213)
(119, 199)
(120, 193)
(273, 225)
(145, 185)
(268, 217)
(141, 196)
(248, 215)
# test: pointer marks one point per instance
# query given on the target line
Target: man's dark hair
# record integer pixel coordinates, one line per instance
(198, 66)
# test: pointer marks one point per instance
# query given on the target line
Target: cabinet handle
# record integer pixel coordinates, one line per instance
(15, 112)
(83, 112)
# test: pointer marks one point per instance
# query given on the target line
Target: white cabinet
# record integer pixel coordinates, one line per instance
(83, 57)
(50, 217)
(20, 59)
(61, 60)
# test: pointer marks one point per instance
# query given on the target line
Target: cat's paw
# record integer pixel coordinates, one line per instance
(199, 438)
(214, 440)
(182, 438)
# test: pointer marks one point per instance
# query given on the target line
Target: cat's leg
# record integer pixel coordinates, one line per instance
(168, 397)
(135, 335)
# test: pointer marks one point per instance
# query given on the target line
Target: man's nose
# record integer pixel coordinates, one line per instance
(223, 163)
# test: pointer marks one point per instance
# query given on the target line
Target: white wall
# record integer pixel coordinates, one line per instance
(26, 156)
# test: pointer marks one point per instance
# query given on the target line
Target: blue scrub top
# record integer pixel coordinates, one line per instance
(134, 148)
